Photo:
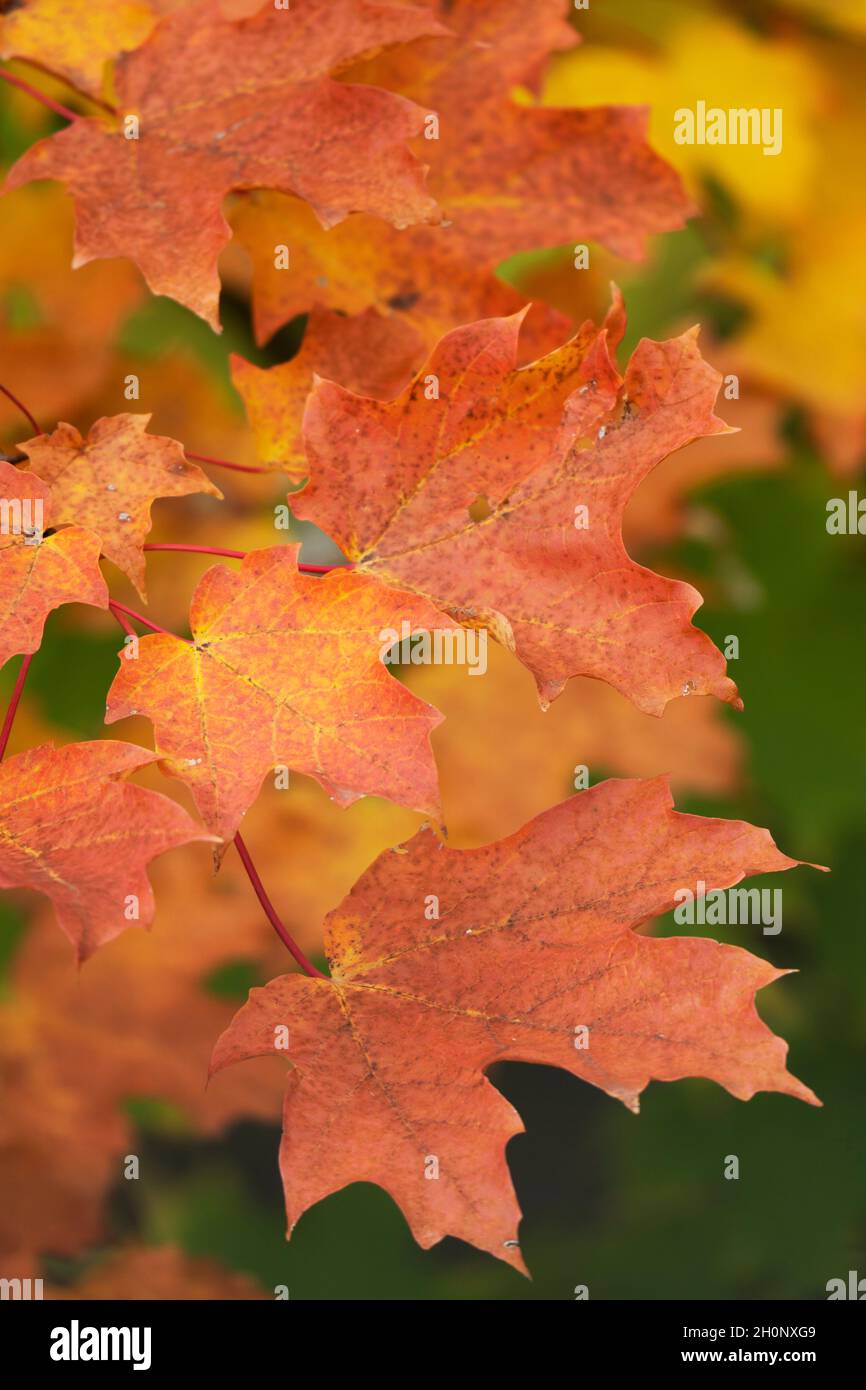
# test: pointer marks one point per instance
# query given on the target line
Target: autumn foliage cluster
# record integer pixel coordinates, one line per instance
(470, 456)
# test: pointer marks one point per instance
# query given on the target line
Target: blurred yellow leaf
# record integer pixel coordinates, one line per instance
(712, 61)
(806, 332)
(75, 37)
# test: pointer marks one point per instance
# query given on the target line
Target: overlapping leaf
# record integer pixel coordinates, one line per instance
(508, 176)
(71, 829)
(38, 572)
(368, 354)
(418, 275)
(502, 760)
(225, 104)
(446, 961)
(76, 38)
(108, 482)
(284, 670)
(468, 489)
(462, 497)
(512, 176)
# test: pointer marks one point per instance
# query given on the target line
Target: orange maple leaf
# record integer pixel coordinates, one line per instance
(108, 482)
(73, 831)
(284, 670)
(38, 572)
(224, 104)
(514, 177)
(446, 961)
(498, 493)
(508, 176)
(417, 276)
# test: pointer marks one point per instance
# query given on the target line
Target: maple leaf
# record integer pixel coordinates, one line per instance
(108, 482)
(534, 940)
(416, 275)
(73, 831)
(284, 670)
(509, 177)
(38, 572)
(469, 494)
(368, 354)
(225, 104)
(75, 37)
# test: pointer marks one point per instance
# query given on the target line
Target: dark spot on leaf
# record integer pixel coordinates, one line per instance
(404, 301)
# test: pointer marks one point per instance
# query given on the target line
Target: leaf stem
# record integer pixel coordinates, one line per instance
(34, 92)
(124, 622)
(234, 555)
(20, 405)
(14, 702)
(272, 914)
(96, 101)
(195, 549)
(223, 463)
(323, 569)
(118, 608)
